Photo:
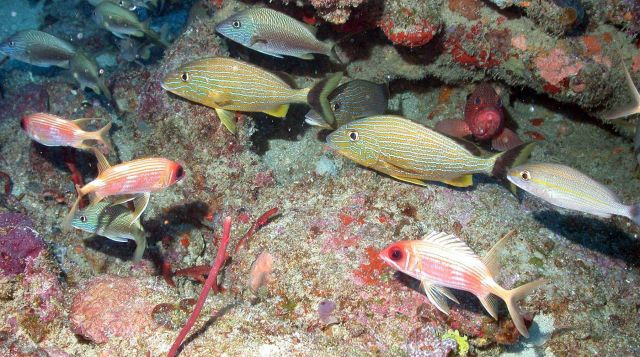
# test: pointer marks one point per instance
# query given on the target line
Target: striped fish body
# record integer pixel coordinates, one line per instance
(569, 188)
(408, 151)
(52, 130)
(84, 69)
(353, 100)
(38, 48)
(442, 261)
(134, 177)
(273, 33)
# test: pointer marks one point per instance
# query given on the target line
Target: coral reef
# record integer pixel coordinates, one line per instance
(18, 242)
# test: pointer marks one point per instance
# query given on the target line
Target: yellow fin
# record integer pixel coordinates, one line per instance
(278, 112)
(228, 119)
(410, 180)
(397, 173)
(462, 181)
(217, 99)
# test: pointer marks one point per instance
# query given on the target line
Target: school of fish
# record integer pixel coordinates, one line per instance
(362, 131)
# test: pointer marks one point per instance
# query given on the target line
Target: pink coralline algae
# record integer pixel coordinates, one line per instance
(335, 11)
(555, 66)
(42, 292)
(18, 241)
(110, 306)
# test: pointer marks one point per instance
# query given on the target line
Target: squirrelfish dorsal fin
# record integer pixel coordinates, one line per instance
(103, 164)
(449, 242)
(490, 259)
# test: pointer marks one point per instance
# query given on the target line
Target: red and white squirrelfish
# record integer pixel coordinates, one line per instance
(441, 261)
(128, 179)
(52, 130)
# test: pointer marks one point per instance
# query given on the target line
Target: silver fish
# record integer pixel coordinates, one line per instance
(85, 70)
(353, 100)
(122, 22)
(38, 48)
(273, 33)
(569, 188)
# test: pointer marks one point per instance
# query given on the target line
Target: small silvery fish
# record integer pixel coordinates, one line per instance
(273, 33)
(38, 48)
(129, 4)
(52, 130)
(122, 22)
(229, 85)
(353, 100)
(85, 70)
(113, 221)
(132, 178)
(413, 153)
(569, 188)
(442, 261)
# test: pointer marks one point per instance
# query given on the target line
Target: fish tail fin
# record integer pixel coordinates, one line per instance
(318, 96)
(511, 297)
(66, 223)
(510, 158)
(101, 136)
(634, 213)
(154, 36)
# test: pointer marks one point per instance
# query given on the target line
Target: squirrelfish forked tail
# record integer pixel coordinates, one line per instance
(631, 108)
(52, 130)
(442, 261)
(229, 85)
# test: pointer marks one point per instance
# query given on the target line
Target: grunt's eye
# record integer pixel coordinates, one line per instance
(526, 175)
(335, 106)
(477, 101)
(100, 72)
(236, 24)
(83, 219)
(353, 135)
(185, 76)
(12, 43)
(395, 254)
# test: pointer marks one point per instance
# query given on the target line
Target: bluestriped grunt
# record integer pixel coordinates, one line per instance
(569, 188)
(113, 221)
(38, 48)
(84, 69)
(413, 153)
(273, 33)
(229, 85)
(353, 100)
(442, 261)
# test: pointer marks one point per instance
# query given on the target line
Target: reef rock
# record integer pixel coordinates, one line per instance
(18, 240)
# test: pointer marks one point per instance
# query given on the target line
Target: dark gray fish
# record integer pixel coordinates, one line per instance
(38, 48)
(353, 100)
(123, 23)
(273, 33)
(84, 69)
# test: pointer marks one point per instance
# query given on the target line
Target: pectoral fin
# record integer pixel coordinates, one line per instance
(438, 295)
(228, 119)
(279, 111)
(218, 100)
(257, 40)
(398, 173)
(462, 181)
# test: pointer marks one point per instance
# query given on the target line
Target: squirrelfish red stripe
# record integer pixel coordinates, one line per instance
(52, 130)
(441, 261)
(128, 179)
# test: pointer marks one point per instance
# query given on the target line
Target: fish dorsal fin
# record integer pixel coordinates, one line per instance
(490, 259)
(103, 164)
(449, 242)
(438, 295)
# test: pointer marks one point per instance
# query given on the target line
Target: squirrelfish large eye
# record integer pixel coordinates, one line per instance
(477, 101)
(83, 219)
(23, 123)
(185, 76)
(354, 136)
(526, 175)
(179, 173)
(395, 254)
(236, 24)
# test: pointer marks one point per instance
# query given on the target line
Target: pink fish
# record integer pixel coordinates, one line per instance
(484, 119)
(128, 180)
(52, 130)
(441, 261)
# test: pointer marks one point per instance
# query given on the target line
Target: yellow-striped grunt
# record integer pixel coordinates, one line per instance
(84, 69)
(569, 188)
(413, 153)
(229, 85)
(114, 221)
(38, 48)
(274, 33)
(122, 22)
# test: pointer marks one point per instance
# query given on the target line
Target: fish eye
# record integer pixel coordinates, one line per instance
(100, 72)
(12, 43)
(526, 175)
(236, 24)
(354, 136)
(335, 106)
(395, 254)
(477, 101)
(179, 173)
(83, 218)
(185, 76)
(23, 123)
